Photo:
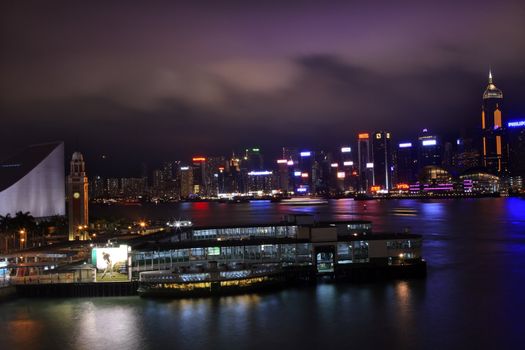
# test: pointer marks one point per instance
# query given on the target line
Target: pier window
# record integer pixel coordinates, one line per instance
(288, 253)
(303, 253)
(360, 251)
(344, 253)
(403, 244)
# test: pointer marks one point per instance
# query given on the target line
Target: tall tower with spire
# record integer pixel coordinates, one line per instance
(77, 192)
(493, 131)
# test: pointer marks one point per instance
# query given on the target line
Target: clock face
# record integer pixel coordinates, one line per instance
(76, 195)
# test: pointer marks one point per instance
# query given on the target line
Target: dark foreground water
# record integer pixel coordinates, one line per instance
(473, 297)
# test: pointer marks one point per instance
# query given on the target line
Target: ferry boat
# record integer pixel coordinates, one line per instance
(211, 281)
(304, 201)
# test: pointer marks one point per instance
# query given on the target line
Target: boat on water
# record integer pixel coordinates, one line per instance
(210, 281)
(304, 201)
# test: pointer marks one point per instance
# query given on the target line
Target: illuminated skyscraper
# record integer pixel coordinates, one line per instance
(494, 143)
(186, 181)
(199, 175)
(253, 159)
(383, 164)
(429, 151)
(345, 174)
(364, 162)
(306, 162)
(77, 191)
(406, 163)
(516, 132)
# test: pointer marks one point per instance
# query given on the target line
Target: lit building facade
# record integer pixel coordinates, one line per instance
(186, 181)
(383, 162)
(429, 152)
(494, 143)
(303, 173)
(260, 181)
(200, 176)
(406, 163)
(466, 155)
(33, 181)
(516, 133)
(365, 164)
(253, 159)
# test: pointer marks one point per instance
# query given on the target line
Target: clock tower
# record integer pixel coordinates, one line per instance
(77, 193)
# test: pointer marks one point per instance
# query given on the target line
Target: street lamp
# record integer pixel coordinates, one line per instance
(22, 233)
(142, 225)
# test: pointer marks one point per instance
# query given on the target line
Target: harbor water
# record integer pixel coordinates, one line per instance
(473, 296)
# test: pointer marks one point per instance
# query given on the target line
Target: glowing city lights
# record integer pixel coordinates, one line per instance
(260, 173)
(429, 142)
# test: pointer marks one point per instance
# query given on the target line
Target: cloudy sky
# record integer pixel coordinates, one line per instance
(160, 80)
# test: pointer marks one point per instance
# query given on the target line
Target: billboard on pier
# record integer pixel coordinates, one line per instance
(111, 263)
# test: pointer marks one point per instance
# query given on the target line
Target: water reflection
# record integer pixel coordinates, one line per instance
(471, 298)
(24, 332)
(516, 209)
(433, 210)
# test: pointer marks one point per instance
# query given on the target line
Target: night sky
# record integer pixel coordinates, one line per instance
(160, 80)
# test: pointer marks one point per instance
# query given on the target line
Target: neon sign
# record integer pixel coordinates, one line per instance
(516, 124)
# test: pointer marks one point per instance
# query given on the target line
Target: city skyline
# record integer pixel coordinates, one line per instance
(224, 79)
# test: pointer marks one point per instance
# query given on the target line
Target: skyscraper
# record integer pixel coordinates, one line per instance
(186, 181)
(516, 132)
(383, 164)
(364, 162)
(406, 163)
(199, 175)
(77, 191)
(494, 143)
(253, 159)
(347, 162)
(429, 151)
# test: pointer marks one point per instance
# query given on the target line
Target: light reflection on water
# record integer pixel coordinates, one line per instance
(472, 297)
